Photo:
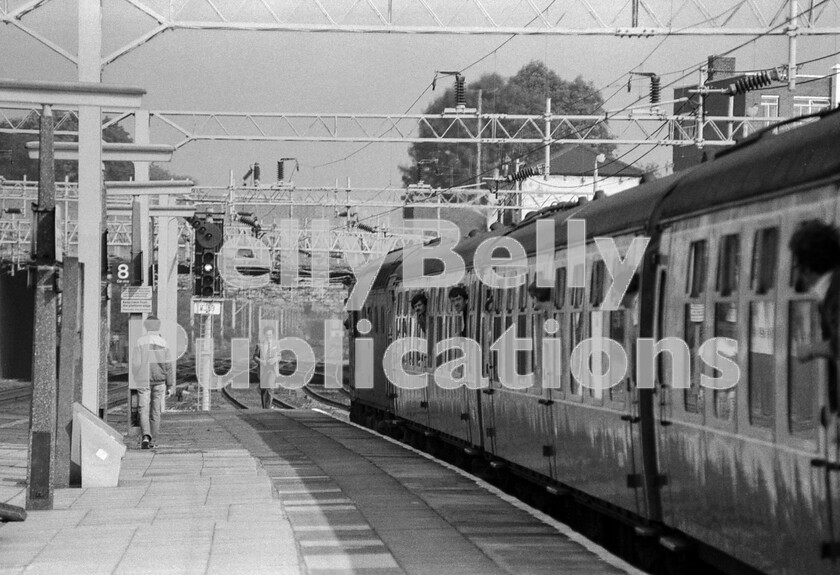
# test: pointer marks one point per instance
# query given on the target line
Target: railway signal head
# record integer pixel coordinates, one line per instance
(208, 241)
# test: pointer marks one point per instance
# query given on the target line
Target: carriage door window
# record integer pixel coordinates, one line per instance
(559, 302)
(762, 359)
(695, 316)
(597, 323)
(804, 377)
(726, 316)
(524, 358)
(577, 325)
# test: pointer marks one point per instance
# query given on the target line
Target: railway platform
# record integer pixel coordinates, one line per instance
(293, 491)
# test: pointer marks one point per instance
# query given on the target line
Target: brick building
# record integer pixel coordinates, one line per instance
(813, 93)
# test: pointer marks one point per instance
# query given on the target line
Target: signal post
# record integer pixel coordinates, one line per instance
(209, 237)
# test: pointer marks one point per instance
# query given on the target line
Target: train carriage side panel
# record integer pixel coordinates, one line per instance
(593, 438)
(739, 462)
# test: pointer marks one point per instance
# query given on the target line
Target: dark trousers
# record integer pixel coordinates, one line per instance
(267, 382)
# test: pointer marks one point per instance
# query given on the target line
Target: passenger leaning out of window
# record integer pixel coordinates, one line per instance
(815, 246)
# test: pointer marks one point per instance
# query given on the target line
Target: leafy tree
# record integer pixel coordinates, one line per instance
(15, 162)
(447, 165)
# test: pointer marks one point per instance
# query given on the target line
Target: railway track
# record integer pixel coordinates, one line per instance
(116, 394)
(185, 373)
(15, 394)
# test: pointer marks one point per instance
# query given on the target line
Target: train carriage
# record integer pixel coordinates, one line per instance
(742, 477)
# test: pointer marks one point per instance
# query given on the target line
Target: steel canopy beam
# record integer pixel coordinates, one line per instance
(69, 94)
(152, 188)
(157, 211)
(110, 152)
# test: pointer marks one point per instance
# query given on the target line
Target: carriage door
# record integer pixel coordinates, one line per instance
(623, 327)
(548, 365)
(385, 318)
(466, 405)
(490, 324)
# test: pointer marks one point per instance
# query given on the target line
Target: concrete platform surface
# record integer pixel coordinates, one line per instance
(282, 492)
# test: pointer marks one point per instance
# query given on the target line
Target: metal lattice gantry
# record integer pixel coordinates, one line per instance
(375, 199)
(642, 127)
(634, 128)
(634, 18)
(18, 196)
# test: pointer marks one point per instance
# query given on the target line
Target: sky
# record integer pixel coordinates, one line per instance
(351, 73)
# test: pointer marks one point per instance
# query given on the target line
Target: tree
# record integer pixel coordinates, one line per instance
(15, 163)
(447, 165)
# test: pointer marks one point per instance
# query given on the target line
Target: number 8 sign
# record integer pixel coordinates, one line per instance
(121, 272)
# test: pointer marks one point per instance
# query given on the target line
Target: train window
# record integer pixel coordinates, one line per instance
(618, 332)
(729, 254)
(560, 287)
(498, 299)
(693, 335)
(577, 293)
(497, 333)
(576, 327)
(510, 297)
(523, 295)
(596, 332)
(523, 357)
(803, 376)
(765, 260)
(726, 326)
(696, 277)
(762, 363)
(596, 291)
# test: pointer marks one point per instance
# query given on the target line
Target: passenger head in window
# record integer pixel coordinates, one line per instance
(419, 302)
(541, 298)
(815, 246)
(460, 299)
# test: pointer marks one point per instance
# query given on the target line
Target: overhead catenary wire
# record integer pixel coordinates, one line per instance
(682, 74)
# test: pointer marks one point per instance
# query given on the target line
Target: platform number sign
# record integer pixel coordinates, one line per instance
(121, 272)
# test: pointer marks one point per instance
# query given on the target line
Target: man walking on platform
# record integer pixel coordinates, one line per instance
(267, 357)
(152, 364)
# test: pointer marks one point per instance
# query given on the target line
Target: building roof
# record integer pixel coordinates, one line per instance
(576, 160)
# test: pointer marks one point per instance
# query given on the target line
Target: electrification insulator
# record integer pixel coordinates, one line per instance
(654, 89)
(460, 92)
(751, 82)
(249, 221)
(256, 173)
(248, 173)
(280, 173)
(523, 174)
(253, 223)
